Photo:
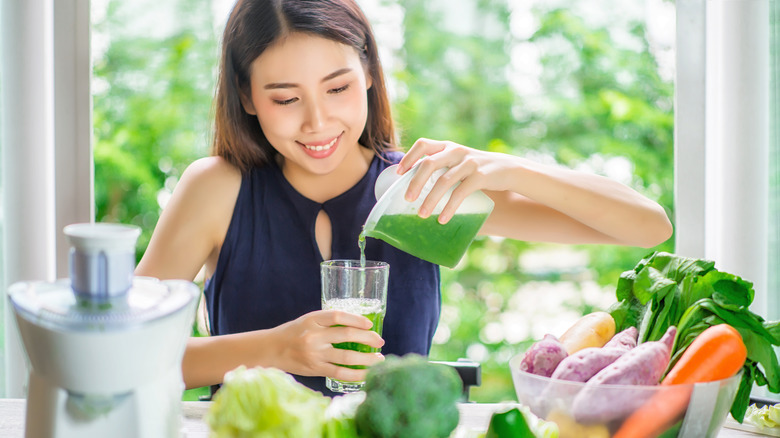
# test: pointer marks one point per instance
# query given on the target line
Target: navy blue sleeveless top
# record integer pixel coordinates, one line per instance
(268, 271)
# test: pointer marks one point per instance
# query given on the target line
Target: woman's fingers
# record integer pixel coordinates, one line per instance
(329, 318)
(445, 157)
(306, 346)
(344, 374)
(419, 149)
(466, 187)
(456, 175)
(339, 357)
(347, 374)
(350, 357)
(337, 326)
(458, 168)
(336, 335)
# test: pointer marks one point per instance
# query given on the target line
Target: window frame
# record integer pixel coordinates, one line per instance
(47, 165)
(721, 154)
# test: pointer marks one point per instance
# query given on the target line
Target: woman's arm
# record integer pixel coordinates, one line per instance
(537, 202)
(188, 235)
(193, 224)
(303, 346)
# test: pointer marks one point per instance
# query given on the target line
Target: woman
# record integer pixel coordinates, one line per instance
(303, 128)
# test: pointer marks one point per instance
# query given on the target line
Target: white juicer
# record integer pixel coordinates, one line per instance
(104, 347)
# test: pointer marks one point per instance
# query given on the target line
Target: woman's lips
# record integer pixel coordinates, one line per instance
(321, 150)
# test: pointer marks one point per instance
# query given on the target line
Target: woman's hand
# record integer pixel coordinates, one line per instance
(472, 168)
(305, 345)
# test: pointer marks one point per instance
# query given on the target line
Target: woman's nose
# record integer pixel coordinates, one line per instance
(314, 118)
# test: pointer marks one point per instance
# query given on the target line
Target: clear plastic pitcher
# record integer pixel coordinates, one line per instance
(396, 221)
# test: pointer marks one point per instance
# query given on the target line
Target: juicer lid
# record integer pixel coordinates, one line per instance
(56, 306)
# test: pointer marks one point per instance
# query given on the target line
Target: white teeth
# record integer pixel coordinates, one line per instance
(322, 148)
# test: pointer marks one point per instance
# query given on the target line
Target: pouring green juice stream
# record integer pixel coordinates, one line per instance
(398, 223)
(423, 237)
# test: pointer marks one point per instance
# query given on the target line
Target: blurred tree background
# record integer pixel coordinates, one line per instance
(586, 85)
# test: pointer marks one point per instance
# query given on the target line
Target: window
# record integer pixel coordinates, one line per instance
(484, 48)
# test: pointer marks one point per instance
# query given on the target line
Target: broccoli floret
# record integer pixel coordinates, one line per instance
(409, 397)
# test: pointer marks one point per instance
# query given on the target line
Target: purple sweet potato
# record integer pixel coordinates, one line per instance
(625, 339)
(643, 365)
(584, 364)
(543, 356)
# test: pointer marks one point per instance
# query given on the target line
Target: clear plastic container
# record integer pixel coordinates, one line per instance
(601, 412)
(396, 221)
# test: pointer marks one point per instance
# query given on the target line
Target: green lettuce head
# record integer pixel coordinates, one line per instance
(265, 402)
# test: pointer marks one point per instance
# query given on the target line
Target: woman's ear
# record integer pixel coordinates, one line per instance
(369, 78)
(245, 94)
(246, 102)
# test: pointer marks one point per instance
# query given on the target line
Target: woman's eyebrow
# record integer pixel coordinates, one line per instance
(335, 74)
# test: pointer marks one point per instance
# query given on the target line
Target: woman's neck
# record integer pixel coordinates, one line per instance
(320, 188)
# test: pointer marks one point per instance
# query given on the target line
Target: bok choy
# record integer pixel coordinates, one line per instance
(666, 290)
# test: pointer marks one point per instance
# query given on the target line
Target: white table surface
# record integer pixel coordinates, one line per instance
(474, 416)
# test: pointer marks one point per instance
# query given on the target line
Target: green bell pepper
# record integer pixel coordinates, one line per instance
(509, 424)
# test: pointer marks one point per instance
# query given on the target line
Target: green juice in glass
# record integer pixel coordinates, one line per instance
(427, 238)
(371, 309)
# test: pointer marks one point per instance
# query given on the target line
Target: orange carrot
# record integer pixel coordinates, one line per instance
(717, 353)
(665, 407)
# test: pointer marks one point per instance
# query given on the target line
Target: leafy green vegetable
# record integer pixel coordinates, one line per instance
(340, 416)
(409, 397)
(665, 289)
(764, 417)
(266, 402)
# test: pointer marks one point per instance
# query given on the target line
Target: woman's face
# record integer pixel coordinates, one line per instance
(309, 95)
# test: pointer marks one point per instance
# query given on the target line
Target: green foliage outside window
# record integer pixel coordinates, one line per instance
(598, 103)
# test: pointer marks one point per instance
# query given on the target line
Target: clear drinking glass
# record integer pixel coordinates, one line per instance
(362, 290)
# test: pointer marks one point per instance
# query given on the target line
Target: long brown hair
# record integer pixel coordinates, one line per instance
(253, 26)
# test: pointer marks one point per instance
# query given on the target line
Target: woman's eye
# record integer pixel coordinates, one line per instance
(286, 101)
(339, 89)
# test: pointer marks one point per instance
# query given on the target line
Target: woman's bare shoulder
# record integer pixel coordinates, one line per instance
(194, 221)
(210, 178)
(212, 170)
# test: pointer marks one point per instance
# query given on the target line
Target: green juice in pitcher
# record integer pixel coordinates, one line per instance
(427, 238)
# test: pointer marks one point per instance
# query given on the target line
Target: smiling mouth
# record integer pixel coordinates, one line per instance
(324, 147)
